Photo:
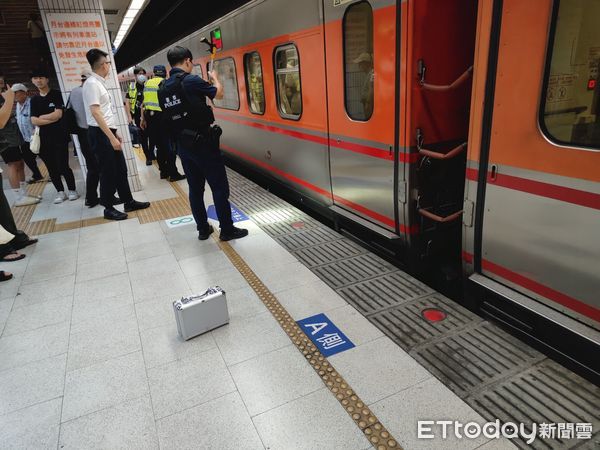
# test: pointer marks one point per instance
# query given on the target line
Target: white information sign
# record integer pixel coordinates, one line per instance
(180, 221)
(341, 2)
(72, 35)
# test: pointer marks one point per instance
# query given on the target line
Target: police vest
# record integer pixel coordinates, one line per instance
(179, 113)
(132, 96)
(151, 94)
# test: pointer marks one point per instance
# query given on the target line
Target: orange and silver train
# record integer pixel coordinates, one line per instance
(459, 131)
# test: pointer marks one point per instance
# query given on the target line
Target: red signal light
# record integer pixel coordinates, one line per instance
(592, 84)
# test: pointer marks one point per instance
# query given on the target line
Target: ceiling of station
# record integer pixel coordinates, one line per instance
(161, 23)
(114, 10)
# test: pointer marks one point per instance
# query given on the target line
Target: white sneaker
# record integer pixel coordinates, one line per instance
(60, 197)
(27, 200)
(73, 195)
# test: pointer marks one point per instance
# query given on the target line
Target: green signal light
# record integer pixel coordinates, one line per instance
(217, 33)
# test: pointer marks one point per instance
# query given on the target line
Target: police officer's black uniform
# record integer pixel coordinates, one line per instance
(188, 118)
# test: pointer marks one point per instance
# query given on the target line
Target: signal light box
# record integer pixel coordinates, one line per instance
(215, 39)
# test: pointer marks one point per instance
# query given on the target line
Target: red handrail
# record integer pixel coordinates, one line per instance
(440, 219)
(437, 155)
(441, 88)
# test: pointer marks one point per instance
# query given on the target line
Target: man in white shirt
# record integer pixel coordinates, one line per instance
(105, 142)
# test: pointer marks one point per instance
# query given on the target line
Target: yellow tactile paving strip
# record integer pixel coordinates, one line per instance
(374, 430)
(159, 210)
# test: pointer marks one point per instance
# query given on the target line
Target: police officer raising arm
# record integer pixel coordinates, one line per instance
(188, 118)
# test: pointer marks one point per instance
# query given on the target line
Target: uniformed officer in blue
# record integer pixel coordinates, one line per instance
(189, 119)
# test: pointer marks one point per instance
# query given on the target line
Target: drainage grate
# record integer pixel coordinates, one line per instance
(309, 238)
(498, 375)
(328, 252)
(382, 292)
(291, 226)
(271, 216)
(352, 270)
(405, 325)
(475, 357)
(546, 393)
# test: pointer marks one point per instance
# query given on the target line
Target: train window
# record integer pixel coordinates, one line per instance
(254, 82)
(287, 74)
(225, 69)
(359, 74)
(570, 111)
(197, 70)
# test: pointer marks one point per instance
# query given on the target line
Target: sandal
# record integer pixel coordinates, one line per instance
(16, 257)
(5, 276)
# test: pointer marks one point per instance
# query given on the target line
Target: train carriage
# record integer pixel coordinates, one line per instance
(464, 135)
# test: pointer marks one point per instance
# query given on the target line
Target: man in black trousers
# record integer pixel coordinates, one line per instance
(105, 142)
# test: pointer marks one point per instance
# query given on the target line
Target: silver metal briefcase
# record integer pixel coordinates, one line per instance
(201, 313)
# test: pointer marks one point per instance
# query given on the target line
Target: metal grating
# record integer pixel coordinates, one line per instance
(545, 393)
(290, 226)
(352, 270)
(405, 325)
(475, 357)
(382, 292)
(309, 238)
(498, 375)
(328, 252)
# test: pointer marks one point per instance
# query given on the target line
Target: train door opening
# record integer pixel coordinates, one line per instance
(441, 42)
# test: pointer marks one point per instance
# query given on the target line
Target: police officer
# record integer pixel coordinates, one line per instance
(189, 119)
(135, 95)
(152, 122)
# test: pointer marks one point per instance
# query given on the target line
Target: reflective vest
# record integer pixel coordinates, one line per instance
(151, 94)
(132, 96)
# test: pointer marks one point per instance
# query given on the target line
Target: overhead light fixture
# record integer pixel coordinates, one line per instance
(134, 9)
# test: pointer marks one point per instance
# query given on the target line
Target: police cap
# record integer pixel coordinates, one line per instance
(159, 70)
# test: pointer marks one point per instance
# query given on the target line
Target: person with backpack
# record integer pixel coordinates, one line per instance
(79, 127)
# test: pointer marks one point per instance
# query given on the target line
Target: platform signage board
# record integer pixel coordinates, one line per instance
(72, 35)
(325, 335)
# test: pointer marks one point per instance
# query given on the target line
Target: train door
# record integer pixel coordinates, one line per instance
(360, 51)
(541, 213)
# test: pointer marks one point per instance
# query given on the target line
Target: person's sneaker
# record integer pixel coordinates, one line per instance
(134, 205)
(91, 203)
(234, 233)
(148, 162)
(164, 176)
(60, 197)
(34, 180)
(177, 177)
(203, 235)
(27, 200)
(113, 214)
(73, 195)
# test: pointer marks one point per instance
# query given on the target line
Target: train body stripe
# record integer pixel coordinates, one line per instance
(367, 212)
(406, 158)
(562, 193)
(540, 289)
